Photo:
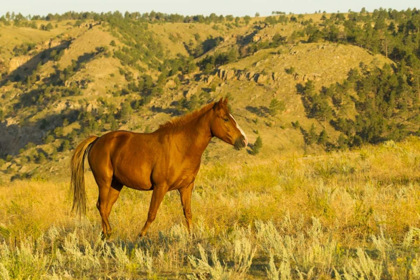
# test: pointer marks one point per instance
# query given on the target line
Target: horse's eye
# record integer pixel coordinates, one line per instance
(226, 120)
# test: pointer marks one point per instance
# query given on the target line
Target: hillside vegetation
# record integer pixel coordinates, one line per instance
(302, 83)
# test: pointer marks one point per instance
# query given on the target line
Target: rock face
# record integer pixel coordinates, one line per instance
(241, 76)
(34, 56)
(250, 75)
(170, 84)
(82, 83)
(16, 62)
(261, 37)
(210, 79)
(226, 74)
(260, 78)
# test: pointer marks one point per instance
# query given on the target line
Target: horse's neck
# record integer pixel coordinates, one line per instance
(197, 135)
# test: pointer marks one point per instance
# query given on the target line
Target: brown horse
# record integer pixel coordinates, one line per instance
(165, 160)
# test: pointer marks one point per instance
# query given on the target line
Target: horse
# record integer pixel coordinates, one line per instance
(165, 160)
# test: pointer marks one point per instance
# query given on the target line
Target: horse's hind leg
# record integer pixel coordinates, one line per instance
(104, 187)
(101, 205)
(113, 194)
(109, 190)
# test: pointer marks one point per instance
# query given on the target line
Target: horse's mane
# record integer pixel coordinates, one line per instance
(188, 117)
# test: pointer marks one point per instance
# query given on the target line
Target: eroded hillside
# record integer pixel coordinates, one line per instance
(295, 81)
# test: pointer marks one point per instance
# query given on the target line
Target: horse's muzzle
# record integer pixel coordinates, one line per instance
(241, 142)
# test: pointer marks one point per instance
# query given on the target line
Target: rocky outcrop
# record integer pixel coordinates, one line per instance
(226, 74)
(208, 79)
(81, 84)
(261, 37)
(260, 78)
(16, 62)
(306, 77)
(241, 76)
(35, 55)
(170, 84)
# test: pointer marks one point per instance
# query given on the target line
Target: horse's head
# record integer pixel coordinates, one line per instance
(225, 127)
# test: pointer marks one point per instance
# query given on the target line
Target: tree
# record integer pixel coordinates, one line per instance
(49, 139)
(342, 142)
(114, 125)
(41, 158)
(276, 106)
(232, 55)
(320, 110)
(126, 110)
(193, 103)
(311, 136)
(257, 146)
(65, 145)
(247, 19)
(48, 27)
(323, 138)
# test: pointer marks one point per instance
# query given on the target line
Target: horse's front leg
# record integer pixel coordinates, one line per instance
(157, 197)
(186, 204)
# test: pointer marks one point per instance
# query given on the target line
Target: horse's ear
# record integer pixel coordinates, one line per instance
(219, 103)
(225, 101)
(218, 106)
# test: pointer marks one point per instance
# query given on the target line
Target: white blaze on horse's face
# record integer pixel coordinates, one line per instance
(240, 129)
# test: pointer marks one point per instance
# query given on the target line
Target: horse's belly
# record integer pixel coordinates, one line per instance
(135, 180)
(181, 182)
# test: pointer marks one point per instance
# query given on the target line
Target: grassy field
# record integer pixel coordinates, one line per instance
(344, 215)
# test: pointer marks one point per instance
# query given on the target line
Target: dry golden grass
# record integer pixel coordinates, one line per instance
(12, 35)
(345, 215)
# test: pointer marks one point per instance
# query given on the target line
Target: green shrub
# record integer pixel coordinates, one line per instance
(257, 146)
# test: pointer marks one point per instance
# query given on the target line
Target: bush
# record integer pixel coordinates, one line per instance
(49, 139)
(257, 146)
(296, 125)
(41, 158)
(276, 106)
(323, 138)
(65, 145)
(114, 125)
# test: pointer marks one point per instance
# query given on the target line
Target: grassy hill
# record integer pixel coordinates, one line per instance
(110, 72)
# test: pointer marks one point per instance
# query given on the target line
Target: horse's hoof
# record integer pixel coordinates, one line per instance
(105, 236)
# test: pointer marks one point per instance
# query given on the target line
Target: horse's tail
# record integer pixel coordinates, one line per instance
(77, 184)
